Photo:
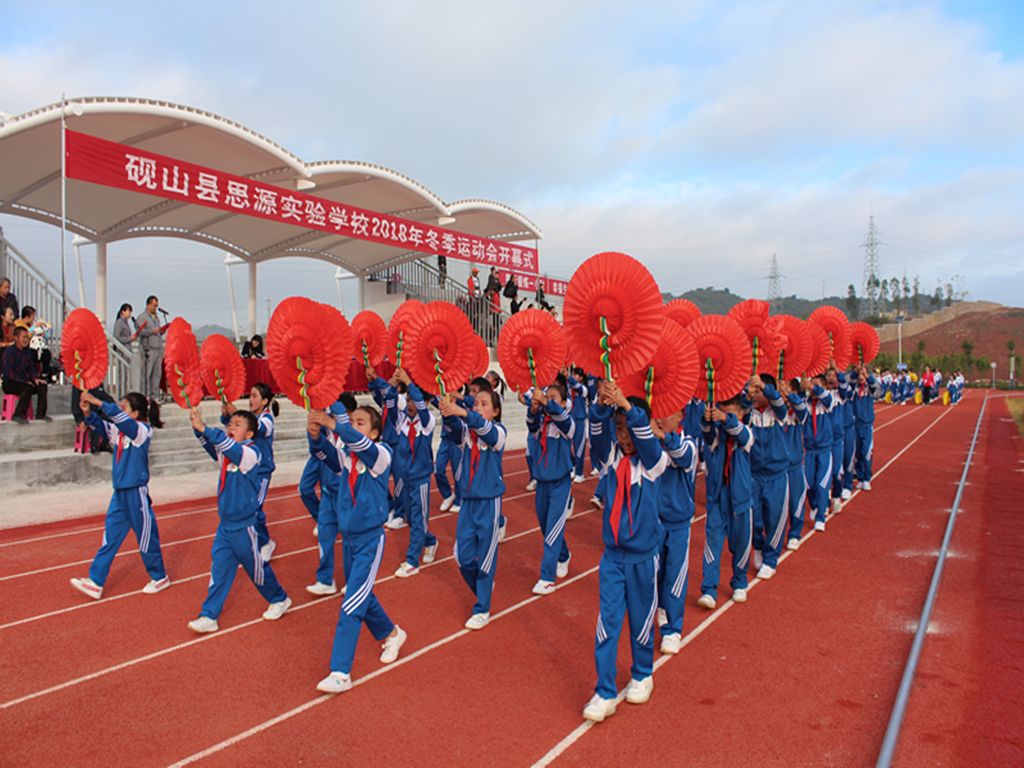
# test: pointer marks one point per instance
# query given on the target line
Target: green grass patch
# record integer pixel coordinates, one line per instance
(1016, 407)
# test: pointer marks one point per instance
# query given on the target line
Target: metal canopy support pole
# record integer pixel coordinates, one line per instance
(63, 208)
(252, 299)
(228, 261)
(101, 283)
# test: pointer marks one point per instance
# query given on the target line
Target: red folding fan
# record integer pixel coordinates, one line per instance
(309, 348)
(837, 326)
(531, 349)
(724, 357)
(668, 381)
(439, 347)
(864, 343)
(796, 350)
(683, 311)
(83, 349)
(181, 364)
(483, 359)
(222, 368)
(821, 349)
(613, 315)
(369, 338)
(398, 326)
(763, 332)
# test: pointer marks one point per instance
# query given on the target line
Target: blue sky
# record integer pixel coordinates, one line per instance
(700, 136)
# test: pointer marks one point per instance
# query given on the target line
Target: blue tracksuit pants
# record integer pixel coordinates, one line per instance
(625, 589)
(579, 445)
(129, 509)
(307, 486)
(326, 534)
(849, 454)
(552, 501)
(771, 505)
(673, 577)
(397, 500)
(818, 470)
(360, 556)
(476, 547)
(447, 453)
(723, 523)
(865, 449)
(262, 533)
(231, 549)
(416, 499)
(797, 498)
(838, 451)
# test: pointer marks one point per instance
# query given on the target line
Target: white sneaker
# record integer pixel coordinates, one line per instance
(739, 595)
(672, 644)
(392, 645)
(203, 625)
(819, 525)
(267, 550)
(765, 572)
(430, 553)
(501, 531)
(405, 570)
(595, 501)
(447, 503)
(758, 558)
(579, 479)
(542, 588)
(316, 531)
(322, 590)
(706, 601)
(156, 585)
(395, 523)
(846, 494)
(478, 621)
(662, 617)
(598, 709)
(595, 472)
(344, 589)
(639, 691)
(562, 569)
(866, 485)
(793, 545)
(336, 682)
(836, 506)
(456, 508)
(276, 610)
(88, 587)
(702, 468)
(531, 486)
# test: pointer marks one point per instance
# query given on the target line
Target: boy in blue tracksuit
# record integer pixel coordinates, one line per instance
(553, 429)
(449, 453)
(129, 429)
(835, 419)
(846, 385)
(390, 402)
(414, 464)
(482, 483)
(577, 385)
(675, 510)
(818, 449)
(769, 465)
(864, 411)
(236, 542)
(634, 461)
(727, 445)
(351, 448)
(591, 382)
(793, 429)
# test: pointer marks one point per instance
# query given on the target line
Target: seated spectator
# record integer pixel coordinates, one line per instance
(7, 299)
(254, 347)
(7, 328)
(23, 376)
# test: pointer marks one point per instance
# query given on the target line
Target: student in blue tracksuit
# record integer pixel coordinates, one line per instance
(818, 449)
(864, 411)
(578, 388)
(390, 401)
(675, 510)
(308, 481)
(414, 464)
(727, 445)
(531, 445)
(327, 514)
(591, 382)
(552, 428)
(236, 542)
(352, 448)
(475, 387)
(769, 465)
(847, 382)
(634, 462)
(482, 483)
(263, 405)
(793, 427)
(449, 453)
(836, 420)
(129, 429)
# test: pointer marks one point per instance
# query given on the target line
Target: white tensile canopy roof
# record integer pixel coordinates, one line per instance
(30, 175)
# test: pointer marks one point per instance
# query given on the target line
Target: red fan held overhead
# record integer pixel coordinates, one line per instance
(821, 349)
(531, 349)
(483, 359)
(398, 327)
(181, 364)
(864, 343)
(724, 357)
(834, 322)
(796, 349)
(369, 338)
(613, 315)
(222, 368)
(682, 311)
(83, 349)
(309, 348)
(763, 332)
(440, 348)
(668, 381)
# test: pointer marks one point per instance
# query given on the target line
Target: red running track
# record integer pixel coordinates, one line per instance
(123, 679)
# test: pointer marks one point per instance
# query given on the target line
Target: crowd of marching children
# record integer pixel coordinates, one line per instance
(904, 386)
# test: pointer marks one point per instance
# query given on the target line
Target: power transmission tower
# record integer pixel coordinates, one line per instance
(871, 270)
(774, 284)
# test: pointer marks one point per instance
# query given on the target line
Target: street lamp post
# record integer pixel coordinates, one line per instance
(993, 375)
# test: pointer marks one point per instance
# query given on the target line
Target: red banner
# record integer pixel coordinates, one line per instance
(117, 165)
(552, 286)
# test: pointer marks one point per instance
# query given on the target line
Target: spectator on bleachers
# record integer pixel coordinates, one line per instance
(23, 376)
(254, 347)
(7, 328)
(493, 282)
(7, 299)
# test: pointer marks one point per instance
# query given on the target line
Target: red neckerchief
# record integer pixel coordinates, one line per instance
(727, 472)
(353, 475)
(223, 474)
(412, 438)
(544, 438)
(474, 455)
(623, 492)
(120, 447)
(862, 390)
